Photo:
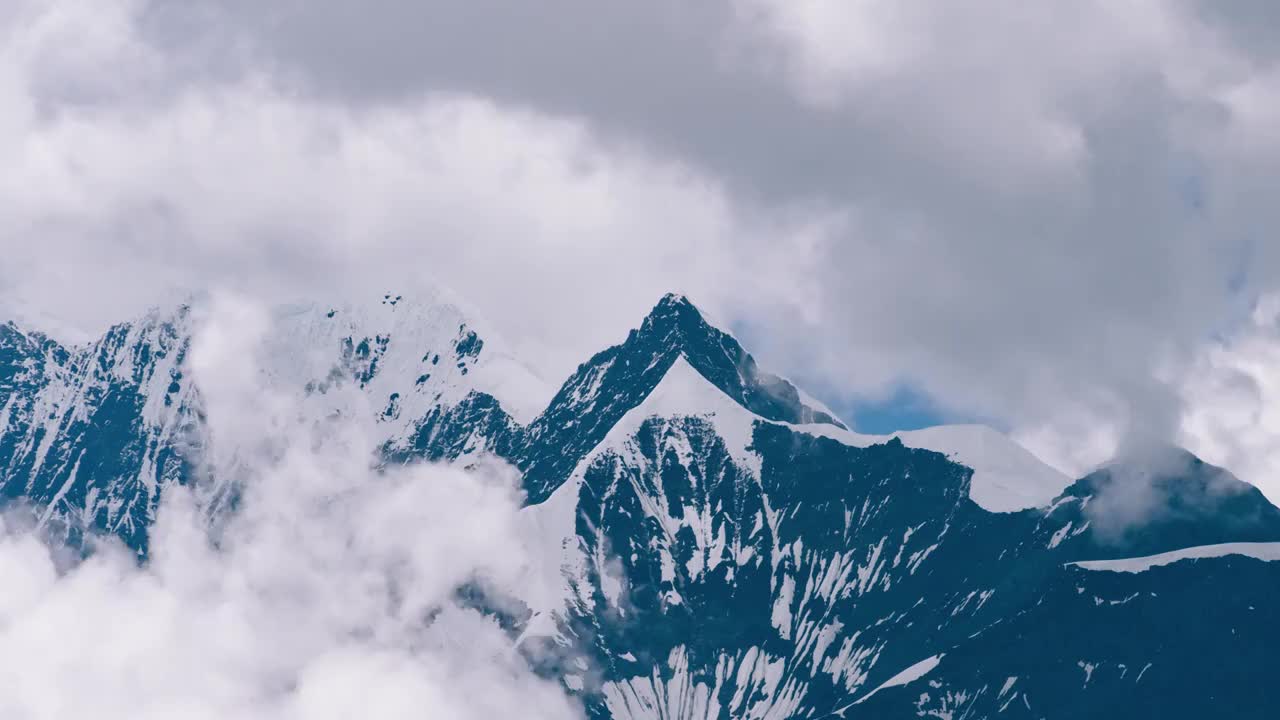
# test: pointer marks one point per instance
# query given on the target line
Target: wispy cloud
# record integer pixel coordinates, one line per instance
(328, 593)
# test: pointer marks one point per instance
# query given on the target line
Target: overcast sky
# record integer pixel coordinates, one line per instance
(1058, 218)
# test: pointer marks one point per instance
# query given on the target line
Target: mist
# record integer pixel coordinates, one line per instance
(330, 591)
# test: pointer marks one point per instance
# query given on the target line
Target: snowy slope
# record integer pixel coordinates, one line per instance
(103, 427)
(406, 356)
(99, 429)
(723, 566)
(1007, 477)
(697, 547)
(1267, 551)
(707, 540)
(683, 393)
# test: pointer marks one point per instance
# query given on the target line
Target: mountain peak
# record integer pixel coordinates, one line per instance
(673, 299)
(617, 379)
(1163, 498)
(672, 315)
(673, 304)
(676, 328)
(719, 357)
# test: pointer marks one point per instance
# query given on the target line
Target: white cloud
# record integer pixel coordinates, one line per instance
(1228, 415)
(328, 594)
(1060, 202)
(568, 239)
(1022, 211)
(1036, 214)
(830, 47)
(1232, 401)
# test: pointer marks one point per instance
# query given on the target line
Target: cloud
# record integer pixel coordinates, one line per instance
(1148, 485)
(1230, 401)
(248, 183)
(1035, 216)
(329, 593)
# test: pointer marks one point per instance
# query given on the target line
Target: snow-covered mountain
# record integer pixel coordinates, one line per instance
(91, 434)
(711, 542)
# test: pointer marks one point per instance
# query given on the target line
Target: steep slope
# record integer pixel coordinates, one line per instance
(615, 381)
(93, 434)
(1190, 639)
(28, 362)
(708, 542)
(99, 430)
(103, 428)
(725, 565)
(1007, 477)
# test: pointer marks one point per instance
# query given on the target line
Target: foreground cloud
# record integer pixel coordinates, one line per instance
(328, 594)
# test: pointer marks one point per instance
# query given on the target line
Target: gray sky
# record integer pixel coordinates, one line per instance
(1055, 217)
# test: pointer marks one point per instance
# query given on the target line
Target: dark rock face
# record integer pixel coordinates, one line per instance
(616, 380)
(606, 388)
(799, 576)
(76, 444)
(802, 591)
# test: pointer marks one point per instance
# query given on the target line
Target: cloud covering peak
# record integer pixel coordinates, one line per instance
(1037, 216)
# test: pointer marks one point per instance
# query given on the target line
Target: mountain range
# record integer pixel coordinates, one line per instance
(713, 541)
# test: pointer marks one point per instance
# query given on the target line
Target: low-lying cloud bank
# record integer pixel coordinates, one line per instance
(328, 594)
